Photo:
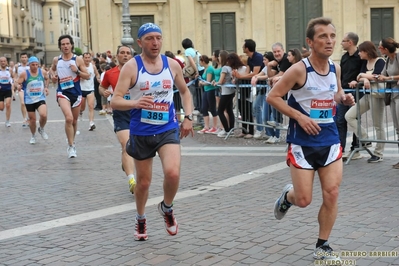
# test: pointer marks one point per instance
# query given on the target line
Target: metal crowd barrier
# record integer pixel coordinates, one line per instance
(363, 120)
(244, 103)
(244, 99)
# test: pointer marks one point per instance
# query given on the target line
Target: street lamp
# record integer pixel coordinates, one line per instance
(126, 26)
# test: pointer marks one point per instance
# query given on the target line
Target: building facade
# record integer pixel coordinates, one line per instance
(225, 24)
(33, 27)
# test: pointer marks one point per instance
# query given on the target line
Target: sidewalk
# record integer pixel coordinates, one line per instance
(60, 211)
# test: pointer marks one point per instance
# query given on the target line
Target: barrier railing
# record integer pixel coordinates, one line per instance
(382, 130)
(244, 100)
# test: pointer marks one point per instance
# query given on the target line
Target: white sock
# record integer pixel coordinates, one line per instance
(130, 176)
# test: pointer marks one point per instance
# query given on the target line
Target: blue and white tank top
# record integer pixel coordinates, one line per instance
(316, 100)
(5, 79)
(88, 84)
(67, 79)
(160, 117)
(34, 88)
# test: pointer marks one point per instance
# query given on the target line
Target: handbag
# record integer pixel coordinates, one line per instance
(189, 72)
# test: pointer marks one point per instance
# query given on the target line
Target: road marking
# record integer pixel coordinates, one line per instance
(39, 227)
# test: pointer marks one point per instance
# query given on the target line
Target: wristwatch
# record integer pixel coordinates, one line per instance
(77, 72)
(189, 117)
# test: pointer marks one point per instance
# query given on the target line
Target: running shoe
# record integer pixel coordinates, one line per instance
(42, 133)
(281, 206)
(140, 232)
(171, 226)
(8, 124)
(222, 134)
(212, 131)
(92, 126)
(72, 152)
(32, 140)
(326, 253)
(375, 159)
(202, 131)
(132, 184)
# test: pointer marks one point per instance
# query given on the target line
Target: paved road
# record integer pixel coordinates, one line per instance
(60, 211)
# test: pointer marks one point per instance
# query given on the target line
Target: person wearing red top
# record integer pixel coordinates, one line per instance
(121, 118)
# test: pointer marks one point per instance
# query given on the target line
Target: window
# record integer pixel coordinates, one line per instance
(16, 27)
(50, 13)
(52, 37)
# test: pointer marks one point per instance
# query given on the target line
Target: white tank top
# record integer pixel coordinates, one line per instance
(21, 69)
(88, 84)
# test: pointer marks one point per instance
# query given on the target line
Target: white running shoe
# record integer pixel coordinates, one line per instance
(32, 140)
(8, 124)
(222, 134)
(42, 133)
(71, 152)
(92, 126)
(258, 134)
(270, 140)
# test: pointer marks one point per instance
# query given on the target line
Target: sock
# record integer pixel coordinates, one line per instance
(130, 176)
(165, 207)
(286, 200)
(320, 242)
(140, 217)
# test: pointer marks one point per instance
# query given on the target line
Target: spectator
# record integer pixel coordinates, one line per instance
(225, 107)
(351, 64)
(208, 97)
(180, 57)
(255, 65)
(192, 57)
(275, 70)
(387, 47)
(294, 56)
(369, 72)
(176, 96)
(261, 104)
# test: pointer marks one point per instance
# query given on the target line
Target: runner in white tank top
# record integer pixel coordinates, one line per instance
(87, 87)
(315, 87)
(67, 69)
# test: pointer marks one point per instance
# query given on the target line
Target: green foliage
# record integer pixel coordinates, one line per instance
(78, 51)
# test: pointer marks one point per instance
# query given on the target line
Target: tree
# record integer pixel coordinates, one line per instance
(78, 51)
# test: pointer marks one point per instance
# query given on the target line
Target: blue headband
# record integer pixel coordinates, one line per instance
(147, 28)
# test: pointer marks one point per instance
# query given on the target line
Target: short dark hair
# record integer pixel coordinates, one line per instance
(120, 46)
(64, 37)
(250, 44)
(169, 54)
(23, 53)
(353, 37)
(310, 30)
(187, 43)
